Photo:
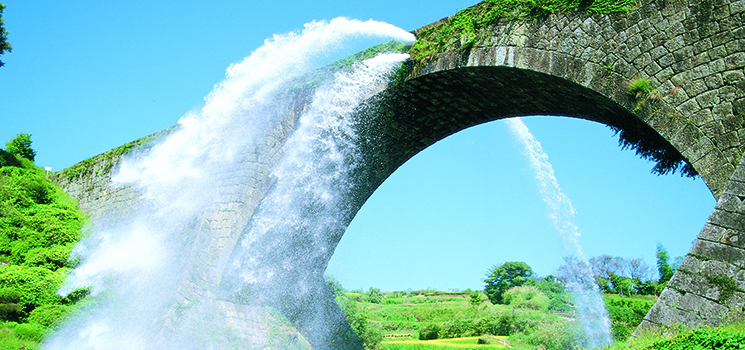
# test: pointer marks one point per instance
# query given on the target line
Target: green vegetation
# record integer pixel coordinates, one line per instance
(466, 27)
(108, 158)
(527, 297)
(429, 319)
(640, 87)
(729, 337)
(389, 47)
(39, 225)
(4, 44)
(522, 310)
(503, 277)
(21, 146)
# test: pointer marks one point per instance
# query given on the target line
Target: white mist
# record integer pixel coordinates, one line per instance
(136, 265)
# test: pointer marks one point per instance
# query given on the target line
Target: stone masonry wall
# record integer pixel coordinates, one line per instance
(709, 286)
(693, 53)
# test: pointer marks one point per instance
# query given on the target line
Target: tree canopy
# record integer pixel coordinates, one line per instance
(21, 146)
(4, 44)
(503, 277)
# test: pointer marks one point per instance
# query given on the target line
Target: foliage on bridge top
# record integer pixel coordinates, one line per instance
(465, 28)
(107, 159)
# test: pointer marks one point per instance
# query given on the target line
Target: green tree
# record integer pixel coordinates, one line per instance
(4, 44)
(335, 286)
(374, 296)
(664, 268)
(476, 299)
(21, 146)
(502, 278)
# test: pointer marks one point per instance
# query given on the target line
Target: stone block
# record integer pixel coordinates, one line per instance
(691, 264)
(708, 99)
(692, 284)
(736, 188)
(721, 38)
(733, 77)
(735, 46)
(676, 43)
(735, 61)
(694, 87)
(719, 251)
(718, 52)
(712, 233)
(737, 7)
(666, 60)
(714, 81)
(730, 220)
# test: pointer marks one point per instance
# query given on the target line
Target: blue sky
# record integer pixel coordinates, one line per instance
(87, 76)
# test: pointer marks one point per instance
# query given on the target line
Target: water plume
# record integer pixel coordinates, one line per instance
(589, 302)
(163, 275)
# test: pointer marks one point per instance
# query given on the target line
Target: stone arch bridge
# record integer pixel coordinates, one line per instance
(691, 52)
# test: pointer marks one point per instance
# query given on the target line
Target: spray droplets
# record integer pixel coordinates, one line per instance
(590, 307)
(157, 268)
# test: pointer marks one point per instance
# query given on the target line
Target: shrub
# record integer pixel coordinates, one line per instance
(626, 314)
(429, 332)
(374, 296)
(30, 331)
(37, 285)
(555, 336)
(48, 315)
(640, 87)
(51, 258)
(455, 329)
(9, 304)
(702, 339)
(526, 297)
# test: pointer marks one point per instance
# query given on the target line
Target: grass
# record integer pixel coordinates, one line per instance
(10, 341)
(466, 343)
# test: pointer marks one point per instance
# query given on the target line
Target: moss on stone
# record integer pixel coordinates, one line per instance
(107, 159)
(465, 28)
(727, 286)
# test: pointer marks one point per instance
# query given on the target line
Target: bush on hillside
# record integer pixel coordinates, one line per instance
(501, 278)
(9, 304)
(38, 285)
(626, 314)
(48, 315)
(429, 332)
(527, 297)
(30, 331)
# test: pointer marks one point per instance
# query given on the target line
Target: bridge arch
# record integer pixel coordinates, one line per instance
(691, 53)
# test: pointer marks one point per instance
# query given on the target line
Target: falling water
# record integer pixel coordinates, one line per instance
(590, 307)
(157, 275)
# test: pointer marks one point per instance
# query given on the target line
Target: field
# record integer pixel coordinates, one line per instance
(467, 343)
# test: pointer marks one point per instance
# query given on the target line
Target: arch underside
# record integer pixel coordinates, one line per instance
(400, 122)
